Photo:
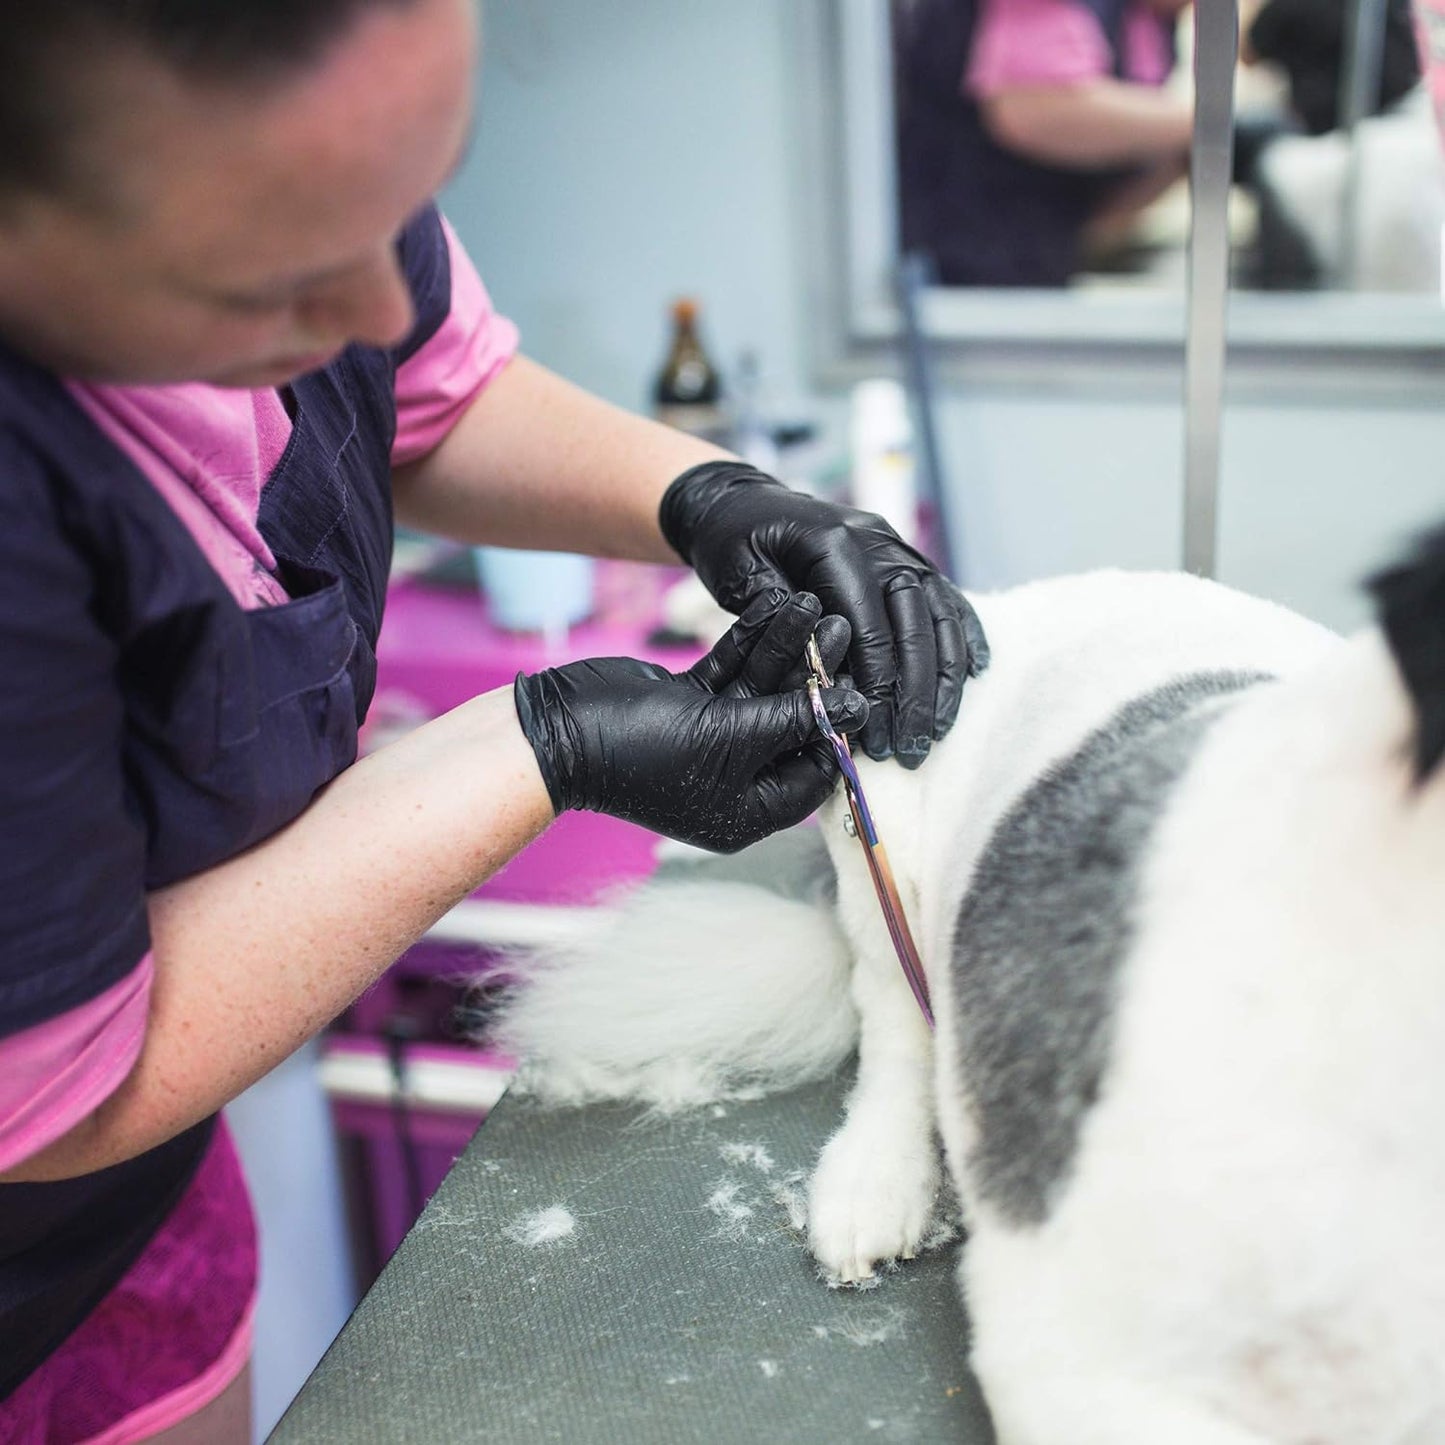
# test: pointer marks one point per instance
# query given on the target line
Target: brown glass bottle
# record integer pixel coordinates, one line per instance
(688, 390)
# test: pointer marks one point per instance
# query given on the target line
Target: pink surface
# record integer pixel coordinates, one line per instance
(385, 1206)
(428, 1053)
(434, 387)
(167, 1339)
(1056, 42)
(437, 1138)
(438, 649)
(56, 1072)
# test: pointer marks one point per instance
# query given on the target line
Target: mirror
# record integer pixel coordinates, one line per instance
(1045, 143)
(1039, 229)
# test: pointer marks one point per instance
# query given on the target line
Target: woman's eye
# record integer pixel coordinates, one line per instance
(255, 303)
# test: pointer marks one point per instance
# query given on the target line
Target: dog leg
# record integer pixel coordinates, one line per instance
(873, 1193)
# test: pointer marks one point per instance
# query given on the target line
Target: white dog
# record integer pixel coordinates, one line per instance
(1178, 880)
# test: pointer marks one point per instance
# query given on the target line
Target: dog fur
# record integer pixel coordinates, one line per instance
(1176, 877)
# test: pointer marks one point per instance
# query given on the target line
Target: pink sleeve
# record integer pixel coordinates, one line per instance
(1430, 39)
(1148, 56)
(54, 1074)
(437, 383)
(1035, 42)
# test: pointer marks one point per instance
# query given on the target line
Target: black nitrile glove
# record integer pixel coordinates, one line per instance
(915, 638)
(717, 755)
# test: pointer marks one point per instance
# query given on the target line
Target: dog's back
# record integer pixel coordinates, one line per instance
(1072, 653)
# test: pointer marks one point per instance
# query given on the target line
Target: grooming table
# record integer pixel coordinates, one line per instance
(682, 1306)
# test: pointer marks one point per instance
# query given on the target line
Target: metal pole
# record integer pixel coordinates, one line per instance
(1216, 50)
(1361, 60)
(915, 272)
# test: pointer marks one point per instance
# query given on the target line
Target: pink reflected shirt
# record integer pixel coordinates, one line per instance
(1056, 42)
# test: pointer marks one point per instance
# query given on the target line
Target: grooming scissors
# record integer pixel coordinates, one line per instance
(863, 829)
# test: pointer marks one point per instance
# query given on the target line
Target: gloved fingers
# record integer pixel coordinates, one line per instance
(725, 662)
(797, 785)
(784, 722)
(778, 653)
(915, 696)
(847, 708)
(833, 634)
(951, 645)
(853, 589)
(747, 576)
(979, 652)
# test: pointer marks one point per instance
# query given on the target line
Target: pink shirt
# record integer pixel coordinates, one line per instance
(1056, 42)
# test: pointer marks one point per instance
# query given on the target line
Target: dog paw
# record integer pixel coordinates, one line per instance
(871, 1201)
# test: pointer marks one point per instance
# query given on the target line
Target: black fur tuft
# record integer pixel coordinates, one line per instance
(1410, 599)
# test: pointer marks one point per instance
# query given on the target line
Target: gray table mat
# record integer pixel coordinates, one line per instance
(682, 1306)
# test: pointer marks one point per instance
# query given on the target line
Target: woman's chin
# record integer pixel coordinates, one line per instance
(273, 373)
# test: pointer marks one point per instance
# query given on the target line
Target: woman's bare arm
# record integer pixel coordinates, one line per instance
(255, 956)
(1096, 124)
(538, 462)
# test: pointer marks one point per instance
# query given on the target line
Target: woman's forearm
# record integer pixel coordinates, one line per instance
(255, 956)
(1121, 209)
(538, 462)
(1101, 123)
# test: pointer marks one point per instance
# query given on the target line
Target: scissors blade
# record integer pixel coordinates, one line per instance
(880, 870)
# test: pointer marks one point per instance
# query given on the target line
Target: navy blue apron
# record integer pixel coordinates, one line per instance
(234, 719)
(985, 215)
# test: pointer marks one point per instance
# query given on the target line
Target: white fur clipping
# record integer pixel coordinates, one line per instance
(545, 1226)
(685, 993)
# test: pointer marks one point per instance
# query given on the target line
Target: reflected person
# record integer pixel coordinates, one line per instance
(1029, 129)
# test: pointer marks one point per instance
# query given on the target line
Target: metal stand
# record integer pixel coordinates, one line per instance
(1360, 67)
(1216, 51)
(915, 272)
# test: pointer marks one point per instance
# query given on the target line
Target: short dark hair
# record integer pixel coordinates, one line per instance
(46, 46)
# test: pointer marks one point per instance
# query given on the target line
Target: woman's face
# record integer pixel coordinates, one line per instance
(244, 236)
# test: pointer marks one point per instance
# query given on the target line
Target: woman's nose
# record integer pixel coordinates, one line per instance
(371, 304)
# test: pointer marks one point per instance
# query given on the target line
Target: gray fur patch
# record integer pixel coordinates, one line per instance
(1043, 929)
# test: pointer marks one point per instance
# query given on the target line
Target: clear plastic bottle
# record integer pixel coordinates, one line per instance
(884, 475)
(752, 439)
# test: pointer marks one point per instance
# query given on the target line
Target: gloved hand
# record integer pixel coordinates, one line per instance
(717, 756)
(915, 638)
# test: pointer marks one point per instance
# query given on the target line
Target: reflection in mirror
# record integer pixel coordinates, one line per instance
(1342, 162)
(1044, 143)
(1028, 132)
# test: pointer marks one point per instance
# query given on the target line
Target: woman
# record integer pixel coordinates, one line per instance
(235, 335)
